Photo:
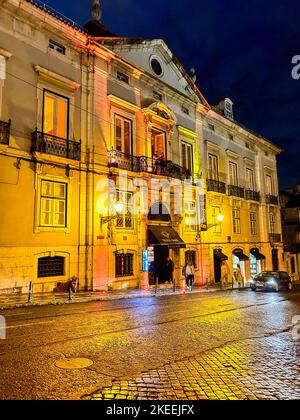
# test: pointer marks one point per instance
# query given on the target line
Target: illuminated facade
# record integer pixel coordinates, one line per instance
(112, 150)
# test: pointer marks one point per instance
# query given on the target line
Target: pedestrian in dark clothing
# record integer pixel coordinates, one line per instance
(169, 270)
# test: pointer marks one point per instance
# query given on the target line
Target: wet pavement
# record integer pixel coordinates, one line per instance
(225, 345)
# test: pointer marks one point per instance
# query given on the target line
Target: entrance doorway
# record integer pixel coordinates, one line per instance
(157, 268)
(275, 261)
(219, 257)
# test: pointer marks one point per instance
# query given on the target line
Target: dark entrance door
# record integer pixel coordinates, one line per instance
(161, 254)
(217, 268)
(275, 261)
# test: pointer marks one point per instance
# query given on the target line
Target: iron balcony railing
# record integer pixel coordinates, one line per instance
(4, 132)
(161, 167)
(216, 181)
(53, 145)
(271, 199)
(216, 186)
(275, 238)
(252, 195)
(236, 191)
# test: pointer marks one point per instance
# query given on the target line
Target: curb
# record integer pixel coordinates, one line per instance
(112, 298)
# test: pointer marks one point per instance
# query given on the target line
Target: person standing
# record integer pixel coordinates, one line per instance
(189, 273)
(239, 275)
(169, 270)
(224, 274)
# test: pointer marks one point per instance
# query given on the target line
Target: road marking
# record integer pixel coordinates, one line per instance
(29, 325)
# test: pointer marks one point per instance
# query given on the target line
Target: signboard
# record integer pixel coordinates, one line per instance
(144, 260)
(150, 254)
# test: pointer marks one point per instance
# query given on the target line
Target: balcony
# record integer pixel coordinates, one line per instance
(234, 190)
(4, 132)
(53, 145)
(272, 199)
(274, 238)
(252, 195)
(117, 159)
(216, 186)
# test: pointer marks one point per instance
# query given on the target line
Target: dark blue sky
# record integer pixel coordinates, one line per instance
(241, 49)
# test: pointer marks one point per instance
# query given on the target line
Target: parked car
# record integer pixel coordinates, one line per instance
(272, 280)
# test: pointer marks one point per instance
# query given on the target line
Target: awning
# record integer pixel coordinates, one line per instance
(241, 256)
(164, 235)
(218, 253)
(257, 254)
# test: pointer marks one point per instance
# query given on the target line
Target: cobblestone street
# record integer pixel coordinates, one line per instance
(264, 368)
(223, 345)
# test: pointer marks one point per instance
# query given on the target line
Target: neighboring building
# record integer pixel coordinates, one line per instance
(99, 136)
(290, 209)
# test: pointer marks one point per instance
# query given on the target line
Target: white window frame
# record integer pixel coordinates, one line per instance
(190, 212)
(54, 202)
(213, 166)
(188, 147)
(250, 179)
(269, 185)
(215, 211)
(236, 221)
(37, 212)
(253, 223)
(233, 173)
(128, 208)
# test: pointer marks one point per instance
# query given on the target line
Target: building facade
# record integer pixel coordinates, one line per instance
(290, 209)
(112, 160)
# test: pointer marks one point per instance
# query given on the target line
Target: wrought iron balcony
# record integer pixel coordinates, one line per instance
(236, 191)
(117, 159)
(272, 199)
(252, 195)
(216, 186)
(4, 132)
(275, 238)
(53, 145)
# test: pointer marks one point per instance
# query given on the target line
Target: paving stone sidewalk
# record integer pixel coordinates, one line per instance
(14, 300)
(262, 368)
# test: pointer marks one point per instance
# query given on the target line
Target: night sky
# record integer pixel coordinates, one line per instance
(240, 49)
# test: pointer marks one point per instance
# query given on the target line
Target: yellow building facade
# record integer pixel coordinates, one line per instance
(111, 157)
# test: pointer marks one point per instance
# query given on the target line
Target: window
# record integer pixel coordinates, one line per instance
(51, 266)
(269, 185)
(253, 223)
(272, 222)
(185, 110)
(233, 174)
(53, 207)
(55, 115)
(123, 134)
(211, 127)
(190, 216)
(57, 47)
(157, 95)
(156, 66)
(123, 77)
(187, 156)
(236, 216)
(250, 184)
(158, 142)
(191, 256)
(125, 217)
(124, 265)
(213, 167)
(215, 211)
